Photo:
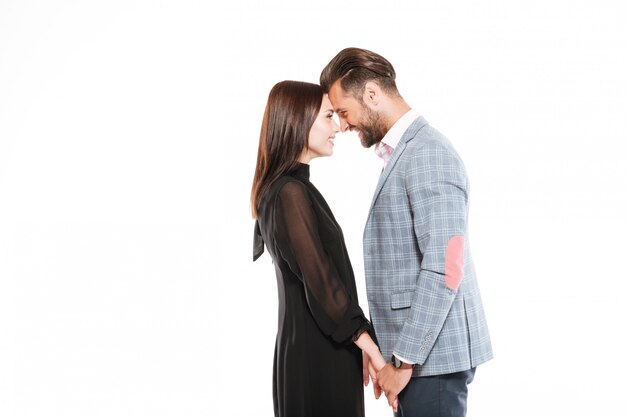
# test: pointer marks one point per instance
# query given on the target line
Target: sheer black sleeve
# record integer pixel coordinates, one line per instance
(298, 240)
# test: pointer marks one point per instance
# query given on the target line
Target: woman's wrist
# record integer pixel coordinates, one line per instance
(370, 348)
(377, 360)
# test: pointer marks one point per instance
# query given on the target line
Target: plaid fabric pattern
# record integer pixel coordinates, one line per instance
(419, 205)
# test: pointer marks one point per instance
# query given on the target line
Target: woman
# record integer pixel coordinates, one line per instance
(318, 364)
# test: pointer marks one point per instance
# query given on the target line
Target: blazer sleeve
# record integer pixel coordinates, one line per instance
(336, 313)
(436, 183)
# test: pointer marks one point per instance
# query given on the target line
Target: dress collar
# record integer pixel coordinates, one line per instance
(302, 171)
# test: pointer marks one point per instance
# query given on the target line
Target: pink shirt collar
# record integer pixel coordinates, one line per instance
(393, 136)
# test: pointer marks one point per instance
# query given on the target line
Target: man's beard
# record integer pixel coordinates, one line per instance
(372, 129)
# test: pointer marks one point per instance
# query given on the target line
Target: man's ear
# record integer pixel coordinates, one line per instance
(372, 94)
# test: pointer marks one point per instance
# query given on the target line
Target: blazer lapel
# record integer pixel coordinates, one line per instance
(410, 133)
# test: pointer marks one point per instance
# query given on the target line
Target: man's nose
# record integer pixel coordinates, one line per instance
(345, 126)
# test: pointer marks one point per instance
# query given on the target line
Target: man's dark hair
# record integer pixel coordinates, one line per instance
(354, 67)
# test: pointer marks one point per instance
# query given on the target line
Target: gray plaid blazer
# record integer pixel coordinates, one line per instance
(422, 291)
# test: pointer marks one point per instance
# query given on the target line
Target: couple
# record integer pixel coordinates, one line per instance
(428, 330)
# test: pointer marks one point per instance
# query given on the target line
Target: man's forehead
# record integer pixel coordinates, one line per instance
(338, 96)
(336, 90)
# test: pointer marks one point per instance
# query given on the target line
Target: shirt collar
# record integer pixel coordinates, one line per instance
(393, 136)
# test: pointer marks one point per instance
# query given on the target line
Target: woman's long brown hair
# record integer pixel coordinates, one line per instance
(291, 110)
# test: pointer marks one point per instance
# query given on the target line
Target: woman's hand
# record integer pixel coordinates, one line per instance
(370, 372)
(373, 363)
(366, 370)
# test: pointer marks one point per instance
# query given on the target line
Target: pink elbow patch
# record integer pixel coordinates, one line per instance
(455, 262)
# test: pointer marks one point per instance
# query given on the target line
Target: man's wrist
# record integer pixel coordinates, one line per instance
(399, 364)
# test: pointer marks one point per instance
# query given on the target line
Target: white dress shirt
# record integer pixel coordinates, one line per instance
(393, 136)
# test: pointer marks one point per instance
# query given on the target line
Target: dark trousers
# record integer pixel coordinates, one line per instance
(436, 396)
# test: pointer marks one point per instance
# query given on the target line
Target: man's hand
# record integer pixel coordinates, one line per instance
(392, 381)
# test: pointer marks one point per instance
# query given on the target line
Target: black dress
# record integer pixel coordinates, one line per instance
(317, 367)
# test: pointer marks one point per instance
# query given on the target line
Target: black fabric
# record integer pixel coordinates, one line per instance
(317, 367)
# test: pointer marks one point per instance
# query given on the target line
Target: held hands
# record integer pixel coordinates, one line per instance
(392, 381)
(383, 375)
(373, 369)
(370, 371)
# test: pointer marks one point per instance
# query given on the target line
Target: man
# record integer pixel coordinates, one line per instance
(422, 292)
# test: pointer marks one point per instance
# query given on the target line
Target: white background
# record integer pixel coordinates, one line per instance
(128, 138)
